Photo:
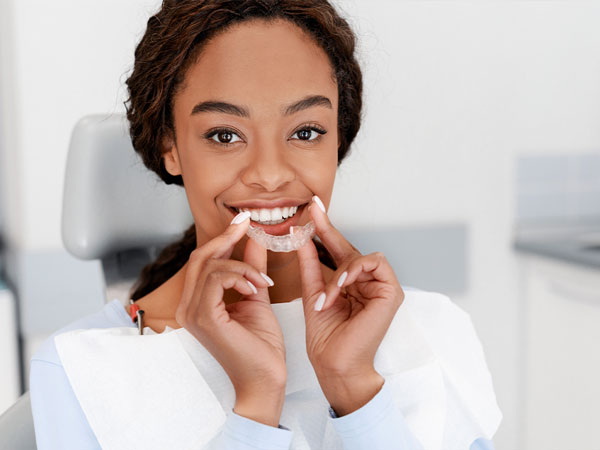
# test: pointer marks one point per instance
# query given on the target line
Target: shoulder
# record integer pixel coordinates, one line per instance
(452, 337)
(107, 317)
(447, 327)
(429, 301)
(450, 334)
(435, 311)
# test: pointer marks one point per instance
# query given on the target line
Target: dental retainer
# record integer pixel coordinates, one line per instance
(297, 237)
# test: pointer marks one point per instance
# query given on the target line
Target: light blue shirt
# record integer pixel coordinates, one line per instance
(61, 424)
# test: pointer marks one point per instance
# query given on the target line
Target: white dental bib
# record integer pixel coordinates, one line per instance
(165, 390)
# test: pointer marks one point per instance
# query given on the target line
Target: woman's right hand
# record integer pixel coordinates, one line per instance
(244, 337)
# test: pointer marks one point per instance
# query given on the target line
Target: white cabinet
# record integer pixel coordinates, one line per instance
(9, 363)
(560, 355)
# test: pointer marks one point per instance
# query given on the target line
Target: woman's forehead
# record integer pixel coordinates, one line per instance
(261, 62)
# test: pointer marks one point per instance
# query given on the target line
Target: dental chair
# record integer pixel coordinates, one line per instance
(114, 210)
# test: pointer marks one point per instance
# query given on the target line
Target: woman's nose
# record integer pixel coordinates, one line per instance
(268, 166)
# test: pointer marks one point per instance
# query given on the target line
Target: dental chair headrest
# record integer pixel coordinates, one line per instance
(111, 201)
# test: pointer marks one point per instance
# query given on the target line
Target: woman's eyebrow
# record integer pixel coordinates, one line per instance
(220, 107)
(229, 108)
(306, 102)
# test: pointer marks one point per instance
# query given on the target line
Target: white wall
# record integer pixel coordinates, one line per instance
(10, 207)
(70, 59)
(454, 92)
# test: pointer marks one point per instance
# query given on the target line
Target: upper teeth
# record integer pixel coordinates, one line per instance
(267, 215)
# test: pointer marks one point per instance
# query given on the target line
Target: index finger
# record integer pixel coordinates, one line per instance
(218, 247)
(310, 271)
(222, 245)
(334, 241)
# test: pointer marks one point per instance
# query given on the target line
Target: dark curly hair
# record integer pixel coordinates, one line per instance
(174, 38)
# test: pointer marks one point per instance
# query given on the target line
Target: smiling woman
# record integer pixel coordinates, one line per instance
(251, 106)
(252, 121)
(252, 117)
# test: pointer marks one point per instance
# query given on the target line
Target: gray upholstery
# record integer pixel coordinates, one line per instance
(16, 426)
(111, 201)
(115, 210)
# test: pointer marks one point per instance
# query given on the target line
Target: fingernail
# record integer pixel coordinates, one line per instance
(342, 279)
(266, 277)
(320, 301)
(252, 286)
(241, 217)
(319, 202)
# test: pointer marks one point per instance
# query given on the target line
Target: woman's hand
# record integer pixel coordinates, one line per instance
(244, 337)
(343, 337)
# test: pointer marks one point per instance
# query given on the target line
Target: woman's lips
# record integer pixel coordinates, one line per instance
(278, 229)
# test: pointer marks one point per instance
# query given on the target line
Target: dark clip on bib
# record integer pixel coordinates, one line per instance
(137, 315)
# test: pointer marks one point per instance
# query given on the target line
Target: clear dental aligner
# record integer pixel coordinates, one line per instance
(286, 243)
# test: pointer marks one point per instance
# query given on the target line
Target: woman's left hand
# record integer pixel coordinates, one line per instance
(343, 337)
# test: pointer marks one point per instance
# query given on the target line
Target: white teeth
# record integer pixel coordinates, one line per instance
(265, 215)
(270, 216)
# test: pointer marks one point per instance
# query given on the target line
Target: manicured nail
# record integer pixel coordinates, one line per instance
(252, 286)
(319, 202)
(320, 301)
(241, 217)
(266, 277)
(342, 279)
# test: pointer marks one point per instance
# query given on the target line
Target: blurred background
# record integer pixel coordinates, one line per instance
(479, 153)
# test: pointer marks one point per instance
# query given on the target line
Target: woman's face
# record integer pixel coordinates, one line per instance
(249, 143)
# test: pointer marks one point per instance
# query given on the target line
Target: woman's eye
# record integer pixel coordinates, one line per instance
(224, 137)
(309, 134)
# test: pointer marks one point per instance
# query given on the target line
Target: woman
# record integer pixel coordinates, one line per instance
(252, 105)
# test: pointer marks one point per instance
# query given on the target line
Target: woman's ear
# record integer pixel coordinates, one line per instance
(171, 157)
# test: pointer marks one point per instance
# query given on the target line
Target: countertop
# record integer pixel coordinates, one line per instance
(577, 242)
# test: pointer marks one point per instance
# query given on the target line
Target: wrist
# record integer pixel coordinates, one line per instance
(262, 408)
(347, 394)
